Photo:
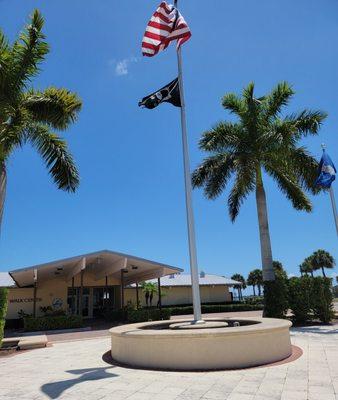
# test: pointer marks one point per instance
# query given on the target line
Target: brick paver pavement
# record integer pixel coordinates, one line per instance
(76, 370)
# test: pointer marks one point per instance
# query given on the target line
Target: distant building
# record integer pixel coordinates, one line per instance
(176, 289)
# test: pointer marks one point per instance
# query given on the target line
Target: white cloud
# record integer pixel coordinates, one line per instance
(121, 67)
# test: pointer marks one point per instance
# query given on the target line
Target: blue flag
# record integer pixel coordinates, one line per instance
(326, 171)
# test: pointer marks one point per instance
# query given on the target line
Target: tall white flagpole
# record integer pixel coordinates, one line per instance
(334, 208)
(188, 199)
(333, 201)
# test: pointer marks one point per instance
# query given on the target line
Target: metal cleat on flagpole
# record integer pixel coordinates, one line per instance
(332, 197)
(188, 199)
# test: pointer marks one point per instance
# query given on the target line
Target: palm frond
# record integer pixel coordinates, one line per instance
(223, 136)
(56, 155)
(4, 61)
(28, 52)
(55, 107)
(234, 104)
(307, 122)
(287, 183)
(12, 130)
(305, 166)
(251, 118)
(213, 174)
(278, 98)
(243, 185)
(248, 92)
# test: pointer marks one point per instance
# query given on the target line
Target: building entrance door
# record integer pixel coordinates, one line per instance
(86, 311)
(103, 298)
(94, 301)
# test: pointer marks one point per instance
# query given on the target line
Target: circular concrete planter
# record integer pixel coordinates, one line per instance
(266, 341)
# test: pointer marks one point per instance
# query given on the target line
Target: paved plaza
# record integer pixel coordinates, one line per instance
(77, 370)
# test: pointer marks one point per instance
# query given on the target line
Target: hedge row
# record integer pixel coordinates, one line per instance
(3, 311)
(311, 298)
(154, 314)
(145, 314)
(217, 308)
(52, 322)
(215, 303)
(142, 315)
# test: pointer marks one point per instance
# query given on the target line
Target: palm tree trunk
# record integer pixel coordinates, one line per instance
(312, 274)
(254, 291)
(323, 272)
(3, 184)
(266, 253)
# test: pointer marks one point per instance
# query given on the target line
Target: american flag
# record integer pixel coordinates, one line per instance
(165, 25)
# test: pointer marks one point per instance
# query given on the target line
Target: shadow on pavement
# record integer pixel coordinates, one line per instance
(55, 389)
(329, 330)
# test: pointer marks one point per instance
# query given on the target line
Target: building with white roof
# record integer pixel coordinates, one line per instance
(84, 284)
(88, 283)
(176, 289)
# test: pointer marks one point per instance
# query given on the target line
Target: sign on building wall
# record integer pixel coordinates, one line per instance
(25, 300)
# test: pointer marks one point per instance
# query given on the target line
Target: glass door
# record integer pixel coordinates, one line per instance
(103, 298)
(85, 302)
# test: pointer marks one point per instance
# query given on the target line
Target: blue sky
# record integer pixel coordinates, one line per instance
(131, 197)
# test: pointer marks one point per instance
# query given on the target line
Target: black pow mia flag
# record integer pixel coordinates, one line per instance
(170, 93)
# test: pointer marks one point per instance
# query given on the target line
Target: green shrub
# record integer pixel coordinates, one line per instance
(182, 310)
(3, 302)
(114, 315)
(148, 314)
(276, 298)
(217, 308)
(254, 300)
(322, 299)
(2, 327)
(3, 311)
(16, 323)
(49, 323)
(210, 303)
(299, 294)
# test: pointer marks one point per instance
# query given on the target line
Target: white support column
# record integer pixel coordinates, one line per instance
(35, 274)
(78, 267)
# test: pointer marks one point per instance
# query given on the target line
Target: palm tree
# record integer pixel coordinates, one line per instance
(306, 267)
(261, 140)
(239, 278)
(28, 115)
(258, 276)
(322, 259)
(252, 281)
(279, 269)
(149, 289)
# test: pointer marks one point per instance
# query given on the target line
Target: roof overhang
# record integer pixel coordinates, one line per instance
(100, 264)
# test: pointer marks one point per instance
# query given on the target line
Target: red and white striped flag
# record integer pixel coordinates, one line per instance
(165, 25)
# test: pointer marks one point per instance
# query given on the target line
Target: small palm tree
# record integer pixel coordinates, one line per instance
(252, 281)
(28, 115)
(260, 140)
(322, 259)
(306, 267)
(149, 289)
(258, 278)
(239, 278)
(260, 282)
